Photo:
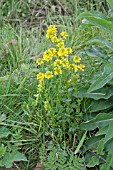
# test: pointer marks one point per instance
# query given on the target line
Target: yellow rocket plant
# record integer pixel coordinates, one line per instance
(58, 60)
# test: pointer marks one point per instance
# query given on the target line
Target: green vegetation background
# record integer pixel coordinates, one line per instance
(26, 137)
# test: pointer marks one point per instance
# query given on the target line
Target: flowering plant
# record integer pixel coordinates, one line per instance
(58, 71)
(56, 60)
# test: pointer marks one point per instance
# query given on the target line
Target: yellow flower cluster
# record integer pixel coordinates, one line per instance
(51, 32)
(57, 58)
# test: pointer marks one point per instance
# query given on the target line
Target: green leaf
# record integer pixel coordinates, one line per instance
(100, 120)
(92, 142)
(109, 145)
(2, 150)
(93, 162)
(4, 132)
(100, 82)
(106, 76)
(109, 133)
(103, 93)
(96, 52)
(100, 147)
(97, 20)
(2, 117)
(109, 161)
(102, 131)
(103, 41)
(9, 158)
(110, 3)
(80, 143)
(99, 105)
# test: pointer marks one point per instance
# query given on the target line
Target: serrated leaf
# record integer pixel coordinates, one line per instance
(4, 132)
(100, 120)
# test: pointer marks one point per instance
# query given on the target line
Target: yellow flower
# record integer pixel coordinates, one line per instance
(64, 34)
(76, 59)
(62, 52)
(57, 70)
(54, 39)
(57, 63)
(81, 67)
(73, 67)
(60, 45)
(60, 40)
(51, 32)
(48, 74)
(69, 50)
(65, 63)
(69, 80)
(40, 76)
(47, 55)
(53, 52)
(52, 27)
(39, 61)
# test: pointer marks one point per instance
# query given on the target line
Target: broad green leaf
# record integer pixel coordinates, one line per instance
(102, 131)
(103, 41)
(97, 20)
(99, 105)
(103, 93)
(9, 158)
(110, 3)
(93, 162)
(108, 68)
(92, 143)
(4, 132)
(100, 148)
(109, 145)
(109, 162)
(103, 79)
(100, 120)
(95, 95)
(96, 52)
